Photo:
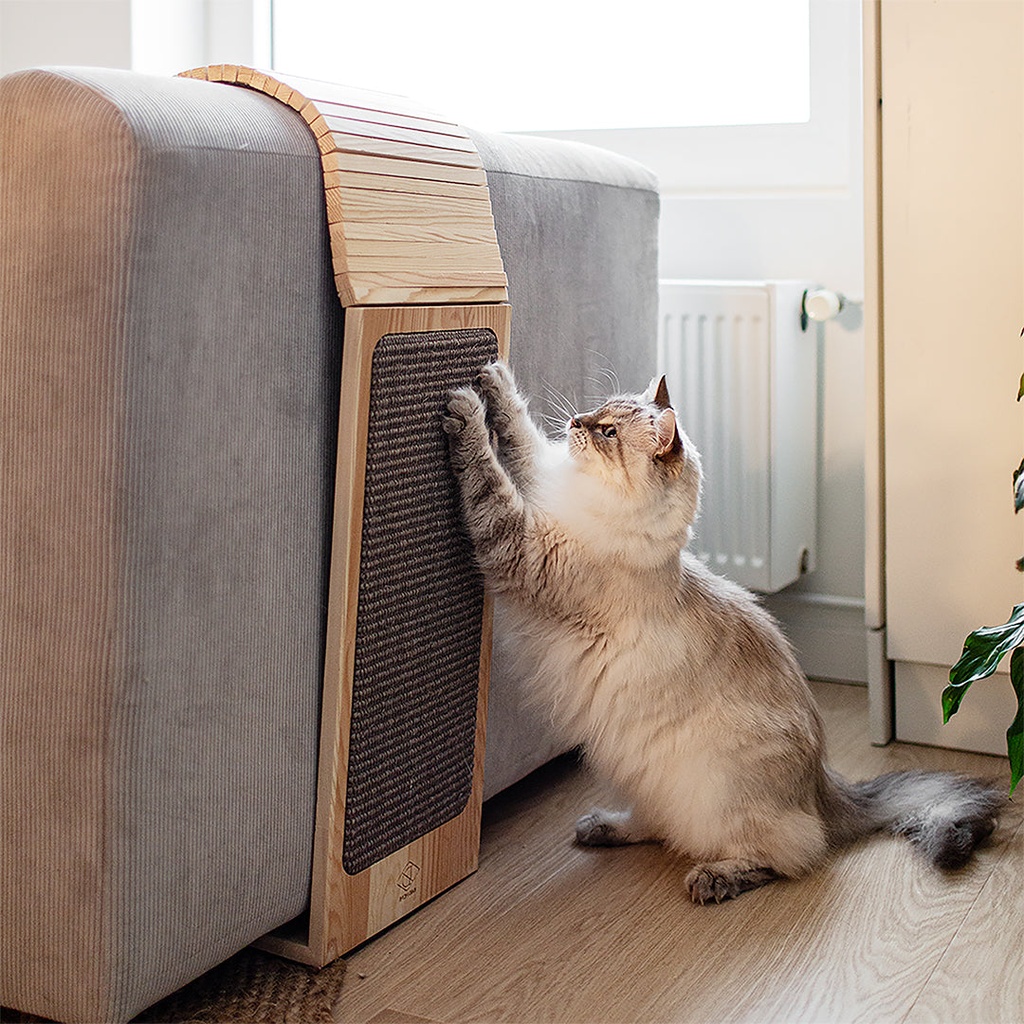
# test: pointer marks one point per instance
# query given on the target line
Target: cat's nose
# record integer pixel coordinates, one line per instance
(575, 423)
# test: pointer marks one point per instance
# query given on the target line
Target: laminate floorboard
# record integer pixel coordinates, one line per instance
(549, 932)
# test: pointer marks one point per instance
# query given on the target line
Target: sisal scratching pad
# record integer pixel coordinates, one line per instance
(416, 677)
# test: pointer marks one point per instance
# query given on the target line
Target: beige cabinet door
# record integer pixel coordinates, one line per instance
(952, 251)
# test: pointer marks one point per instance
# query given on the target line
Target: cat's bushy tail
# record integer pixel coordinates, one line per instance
(945, 816)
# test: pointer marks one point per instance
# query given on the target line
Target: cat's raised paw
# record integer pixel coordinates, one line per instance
(496, 380)
(463, 407)
(505, 406)
(725, 880)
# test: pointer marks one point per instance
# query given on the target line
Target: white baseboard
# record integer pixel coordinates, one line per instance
(828, 633)
(980, 724)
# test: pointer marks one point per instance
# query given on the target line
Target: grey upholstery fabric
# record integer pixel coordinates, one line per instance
(169, 364)
(170, 340)
(578, 230)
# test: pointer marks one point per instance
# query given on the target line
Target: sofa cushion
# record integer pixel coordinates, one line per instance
(170, 365)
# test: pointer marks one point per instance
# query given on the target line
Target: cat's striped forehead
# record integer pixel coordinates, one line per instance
(615, 410)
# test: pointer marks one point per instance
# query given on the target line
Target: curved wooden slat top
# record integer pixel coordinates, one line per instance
(407, 199)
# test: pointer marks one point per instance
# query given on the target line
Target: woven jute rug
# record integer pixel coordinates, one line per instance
(250, 988)
(254, 988)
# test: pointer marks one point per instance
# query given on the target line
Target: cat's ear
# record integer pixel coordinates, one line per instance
(670, 445)
(657, 393)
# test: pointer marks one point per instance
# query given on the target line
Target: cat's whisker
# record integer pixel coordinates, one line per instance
(560, 401)
(600, 393)
(604, 377)
(553, 424)
(605, 382)
(611, 378)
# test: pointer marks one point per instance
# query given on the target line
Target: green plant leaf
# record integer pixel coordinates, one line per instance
(951, 698)
(1015, 734)
(985, 647)
(983, 650)
(1018, 487)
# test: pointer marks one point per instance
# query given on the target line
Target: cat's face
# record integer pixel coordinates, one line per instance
(633, 442)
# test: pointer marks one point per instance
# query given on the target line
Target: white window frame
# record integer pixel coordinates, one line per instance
(813, 156)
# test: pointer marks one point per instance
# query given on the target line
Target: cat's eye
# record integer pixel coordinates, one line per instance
(607, 429)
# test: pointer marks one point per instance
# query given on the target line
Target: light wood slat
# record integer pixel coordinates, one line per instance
(317, 125)
(252, 78)
(365, 292)
(393, 133)
(360, 113)
(380, 231)
(399, 150)
(287, 95)
(361, 204)
(340, 161)
(440, 267)
(465, 233)
(387, 277)
(477, 231)
(461, 253)
(414, 186)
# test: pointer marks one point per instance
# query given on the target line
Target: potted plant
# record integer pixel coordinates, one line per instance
(985, 648)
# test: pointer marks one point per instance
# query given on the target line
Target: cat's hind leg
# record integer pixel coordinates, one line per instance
(612, 828)
(726, 879)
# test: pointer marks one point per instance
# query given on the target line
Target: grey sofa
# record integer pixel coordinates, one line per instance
(170, 340)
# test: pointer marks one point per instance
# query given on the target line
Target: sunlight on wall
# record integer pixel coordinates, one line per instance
(539, 65)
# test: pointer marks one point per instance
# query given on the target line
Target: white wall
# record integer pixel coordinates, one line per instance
(92, 32)
(786, 201)
(160, 37)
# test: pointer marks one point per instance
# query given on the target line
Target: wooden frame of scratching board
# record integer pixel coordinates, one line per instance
(414, 252)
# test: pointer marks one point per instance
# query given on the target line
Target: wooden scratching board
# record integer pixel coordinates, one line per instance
(418, 270)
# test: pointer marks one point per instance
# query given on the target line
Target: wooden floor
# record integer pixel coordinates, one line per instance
(547, 931)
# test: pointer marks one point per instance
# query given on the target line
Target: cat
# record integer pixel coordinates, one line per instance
(681, 688)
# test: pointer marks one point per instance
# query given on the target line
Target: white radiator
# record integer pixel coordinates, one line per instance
(743, 377)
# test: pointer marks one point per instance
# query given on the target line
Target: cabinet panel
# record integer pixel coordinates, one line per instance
(953, 307)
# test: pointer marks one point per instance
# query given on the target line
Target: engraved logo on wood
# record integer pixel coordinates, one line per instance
(407, 880)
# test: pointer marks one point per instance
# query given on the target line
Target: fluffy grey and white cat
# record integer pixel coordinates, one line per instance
(681, 688)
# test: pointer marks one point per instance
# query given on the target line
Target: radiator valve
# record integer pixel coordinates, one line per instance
(819, 305)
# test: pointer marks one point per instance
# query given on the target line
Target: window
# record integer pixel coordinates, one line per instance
(556, 65)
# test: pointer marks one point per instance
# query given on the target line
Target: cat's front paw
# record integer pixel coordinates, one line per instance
(725, 880)
(465, 424)
(504, 403)
(462, 407)
(496, 381)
